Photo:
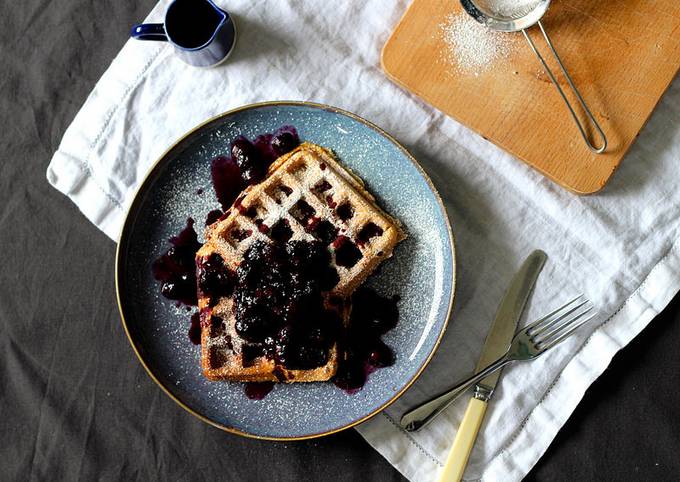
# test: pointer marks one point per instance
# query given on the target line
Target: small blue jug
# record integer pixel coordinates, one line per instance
(202, 33)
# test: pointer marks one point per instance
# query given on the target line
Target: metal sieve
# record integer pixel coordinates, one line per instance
(521, 17)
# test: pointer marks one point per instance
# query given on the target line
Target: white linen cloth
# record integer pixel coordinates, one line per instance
(619, 247)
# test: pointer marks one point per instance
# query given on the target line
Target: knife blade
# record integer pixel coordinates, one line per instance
(507, 317)
(497, 341)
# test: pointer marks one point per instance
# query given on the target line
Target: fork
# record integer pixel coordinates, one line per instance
(527, 344)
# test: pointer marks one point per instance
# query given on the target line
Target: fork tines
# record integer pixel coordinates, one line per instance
(558, 325)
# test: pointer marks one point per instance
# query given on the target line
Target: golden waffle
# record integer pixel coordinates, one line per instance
(308, 192)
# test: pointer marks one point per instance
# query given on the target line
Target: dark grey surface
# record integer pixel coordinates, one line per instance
(75, 403)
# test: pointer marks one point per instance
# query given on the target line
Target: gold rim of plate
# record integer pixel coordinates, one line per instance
(368, 124)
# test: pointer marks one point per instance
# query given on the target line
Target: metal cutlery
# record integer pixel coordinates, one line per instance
(496, 344)
(529, 343)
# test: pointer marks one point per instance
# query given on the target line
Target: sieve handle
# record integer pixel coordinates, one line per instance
(597, 150)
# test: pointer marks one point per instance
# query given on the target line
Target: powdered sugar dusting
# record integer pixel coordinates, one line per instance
(470, 47)
(169, 196)
(508, 8)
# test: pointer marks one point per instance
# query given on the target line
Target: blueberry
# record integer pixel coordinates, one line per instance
(251, 351)
(298, 251)
(325, 232)
(248, 160)
(310, 356)
(351, 376)
(284, 142)
(329, 279)
(226, 179)
(300, 350)
(214, 278)
(372, 312)
(381, 355)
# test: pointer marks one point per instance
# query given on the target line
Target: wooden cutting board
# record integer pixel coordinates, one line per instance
(621, 54)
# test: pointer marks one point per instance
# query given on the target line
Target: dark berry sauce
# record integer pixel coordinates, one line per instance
(226, 179)
(325, 232)
(215, 280)
(176, 268)
(248, 161)
(372, 316)
(278, 303)
(279, 287)
(284, 140)
(214, 215)
(195, 329)
(258, 390)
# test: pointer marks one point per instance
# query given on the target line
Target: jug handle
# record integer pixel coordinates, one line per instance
(149, 31)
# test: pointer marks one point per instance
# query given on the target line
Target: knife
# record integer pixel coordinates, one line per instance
(508, 314)
(496, 344)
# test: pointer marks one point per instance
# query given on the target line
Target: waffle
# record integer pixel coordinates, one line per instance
(306, 195)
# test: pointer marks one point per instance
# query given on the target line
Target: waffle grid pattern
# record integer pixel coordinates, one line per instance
(304, 192)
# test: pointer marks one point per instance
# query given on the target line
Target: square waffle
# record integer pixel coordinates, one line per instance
(307, 195)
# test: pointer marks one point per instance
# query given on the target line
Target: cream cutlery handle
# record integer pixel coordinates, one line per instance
(418, 417)
(464, 441)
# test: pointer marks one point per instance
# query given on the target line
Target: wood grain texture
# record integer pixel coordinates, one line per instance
(621, 54)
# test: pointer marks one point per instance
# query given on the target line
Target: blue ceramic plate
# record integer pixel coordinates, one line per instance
(422, 272)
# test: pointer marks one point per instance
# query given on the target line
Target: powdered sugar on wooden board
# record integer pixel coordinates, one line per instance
(470, 47)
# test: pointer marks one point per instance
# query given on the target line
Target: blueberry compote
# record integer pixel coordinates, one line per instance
(176, 268)
(248, 161)
(279, 306)
(215, 280)
(213, 216)
(226, 180)
(372, 316)
(195, 329)
(258, 390)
